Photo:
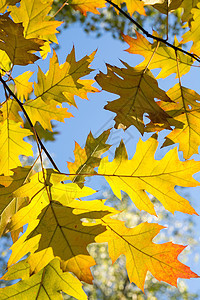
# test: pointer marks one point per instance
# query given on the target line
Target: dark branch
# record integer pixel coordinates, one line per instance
(30, 122)
(159, 39)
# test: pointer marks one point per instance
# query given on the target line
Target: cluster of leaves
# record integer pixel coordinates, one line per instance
(60, 225)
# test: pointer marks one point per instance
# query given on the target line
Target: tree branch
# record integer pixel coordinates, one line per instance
(30, 122)
(194, 56)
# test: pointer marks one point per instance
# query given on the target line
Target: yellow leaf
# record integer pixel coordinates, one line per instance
(20, 270)
(142, 254)
(59, 232)
(33, 15)
(15, 45)
(159, 56)
(95, 209)
(4, 4)
(194, 32)
(62, 82)
(80, 266)
(41, 192)
(12, 145)
(157, 177)
(186, 110)
(188, 5)
(5, 181)
(9, 205)
(10, 110)
(24, 87)
(5, 63)
(44, 113)
(45, 49)
(45, 285)
(137, 88)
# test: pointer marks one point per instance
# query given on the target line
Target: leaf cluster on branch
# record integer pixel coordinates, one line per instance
(51, 226)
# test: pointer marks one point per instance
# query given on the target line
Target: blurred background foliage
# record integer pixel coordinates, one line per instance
(109, 20)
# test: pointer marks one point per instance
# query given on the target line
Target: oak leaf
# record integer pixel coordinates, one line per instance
(144, 173)
(59, 232)
(5, 63)
(137, 88)
(187, 6)
(45, 285)
(20, 270)
(185, 109)
(33, 14)
(62, 82)
(23, 86)
(11, 184)
(10, 110)
(158, 55)
(44, 113)
(194, 32)
(12, 145)
(80, 266)
(88, 158)
(43, 195)
(142, 254)
(18, 49)
(41, 192)
(8, 203)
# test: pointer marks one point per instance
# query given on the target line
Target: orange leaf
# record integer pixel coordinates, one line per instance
(87, 5)
(142, 254)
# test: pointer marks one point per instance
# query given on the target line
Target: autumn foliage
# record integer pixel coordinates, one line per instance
(51, 226)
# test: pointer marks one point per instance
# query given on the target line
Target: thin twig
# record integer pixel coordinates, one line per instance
(65, 3)
(30, 123)
(194, 56)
